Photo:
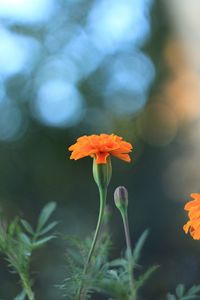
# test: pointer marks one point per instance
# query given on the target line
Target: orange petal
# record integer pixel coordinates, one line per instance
(195, 196)
(122, 156)
(195, 234)
(101, 157)
(194, 213)
(186, 227)
(191, 204)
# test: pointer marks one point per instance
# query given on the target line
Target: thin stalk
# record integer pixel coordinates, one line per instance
(129, 254)
(102, 195)
(27, 287)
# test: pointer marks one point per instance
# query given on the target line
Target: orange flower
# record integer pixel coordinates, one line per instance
(100, 147)
(193, 225)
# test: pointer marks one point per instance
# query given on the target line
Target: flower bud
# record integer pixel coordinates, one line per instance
(102, 173)
(121, 198)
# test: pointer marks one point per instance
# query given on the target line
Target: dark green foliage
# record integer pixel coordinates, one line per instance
(119, 281)
(18, 240)
(182, 294)
(75, 260)
(111, 278)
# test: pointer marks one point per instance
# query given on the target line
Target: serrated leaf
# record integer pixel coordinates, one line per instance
(45, 214)
(139, 245)
(48, 228)
(43, 241)
(180, 289)
(27, 226)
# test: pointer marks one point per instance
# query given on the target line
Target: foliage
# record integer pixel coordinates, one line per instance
(110, 278)
(18, 240)
(118, 280)
(182, 294)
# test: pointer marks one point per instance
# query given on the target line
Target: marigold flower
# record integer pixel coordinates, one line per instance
(193, 225)
(100, 147)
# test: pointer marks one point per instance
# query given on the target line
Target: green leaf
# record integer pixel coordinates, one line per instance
(13, 226)
(193, 290)
(180, 290)
(21, 296)
(27, 226)
(41, 242)
(171, 297)
(120, 262)
(25, 239)
(139, 245)
(144, 277)
(45, 214)
(48, 228)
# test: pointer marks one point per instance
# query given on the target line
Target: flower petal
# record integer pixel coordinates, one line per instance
(102, 146)
(101, 157)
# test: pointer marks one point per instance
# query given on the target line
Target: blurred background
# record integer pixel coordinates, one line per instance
(75, 67)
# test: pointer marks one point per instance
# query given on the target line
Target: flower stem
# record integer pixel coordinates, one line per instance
(102, 195)
(129, 255)
(27, 287)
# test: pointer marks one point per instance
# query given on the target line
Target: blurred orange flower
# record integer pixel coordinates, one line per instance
(100, 147)
(193, 225)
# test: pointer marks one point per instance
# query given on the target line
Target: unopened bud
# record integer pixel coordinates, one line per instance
(121, 198)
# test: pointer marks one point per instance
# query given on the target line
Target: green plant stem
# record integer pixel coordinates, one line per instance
(129, 255)
(27, 287)
(102, 195)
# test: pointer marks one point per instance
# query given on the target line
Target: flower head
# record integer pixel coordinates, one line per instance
(193, 225)
(101, 147)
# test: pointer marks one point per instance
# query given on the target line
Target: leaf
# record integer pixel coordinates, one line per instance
(21, 296)
(48, 228)
(45, 214)
(41, 242)
(13, 226)
(139, 245)
(145, 276)
(121, 262)
(180, 290)
(25, 239)
(193, 290)
(27, 226)
(171, 297)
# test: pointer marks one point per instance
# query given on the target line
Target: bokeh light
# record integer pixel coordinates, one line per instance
(2, 90)
(129, 79)
(26, 10)
(58, 103)
(16, 52)
(112, 23)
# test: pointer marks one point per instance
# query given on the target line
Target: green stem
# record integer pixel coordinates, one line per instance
(102, 195)
(129, 255)
(127, 233)
(27, 287)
